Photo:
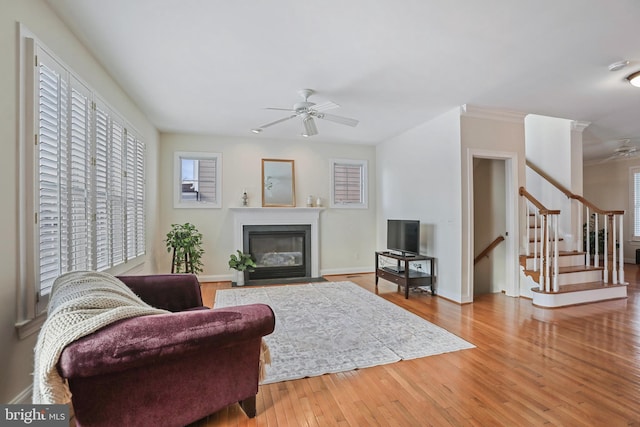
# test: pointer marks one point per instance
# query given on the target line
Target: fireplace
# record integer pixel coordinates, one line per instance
(280, 251)
(308, 217)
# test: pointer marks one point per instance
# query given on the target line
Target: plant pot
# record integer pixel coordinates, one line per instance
(239, 278)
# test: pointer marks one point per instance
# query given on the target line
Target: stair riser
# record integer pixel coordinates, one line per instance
(563, 261)
(582, 297)
(579, 277)
(561, 246)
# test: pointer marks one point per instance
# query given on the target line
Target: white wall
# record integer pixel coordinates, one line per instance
(347, 236)
(608, 186)
(418, 177)
(549, 147)
(492, 134)
(16, 357)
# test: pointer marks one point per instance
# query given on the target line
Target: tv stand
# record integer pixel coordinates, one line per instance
(399, 272)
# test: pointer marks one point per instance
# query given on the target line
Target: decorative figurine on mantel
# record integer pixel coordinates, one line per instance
(245, 198)
(310, 201)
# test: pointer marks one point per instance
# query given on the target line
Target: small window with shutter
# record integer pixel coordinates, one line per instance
(349, 183)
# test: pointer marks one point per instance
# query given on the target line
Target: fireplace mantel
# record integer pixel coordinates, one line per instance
(280, 216)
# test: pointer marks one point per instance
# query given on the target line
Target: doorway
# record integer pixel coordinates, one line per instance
(493, 206)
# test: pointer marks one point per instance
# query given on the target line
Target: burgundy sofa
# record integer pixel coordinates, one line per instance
(167, 369)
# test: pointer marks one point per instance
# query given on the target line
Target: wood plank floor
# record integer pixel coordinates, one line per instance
(575, 366)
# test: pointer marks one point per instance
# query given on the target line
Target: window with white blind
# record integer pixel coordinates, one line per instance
(197, 180)
(349, 183)
(88, 178)
(634, 180)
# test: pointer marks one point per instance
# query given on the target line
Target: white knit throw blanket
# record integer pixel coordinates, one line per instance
(81, 303)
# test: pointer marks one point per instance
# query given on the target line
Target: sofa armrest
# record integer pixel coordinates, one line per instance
(173, 292)
(140, 341)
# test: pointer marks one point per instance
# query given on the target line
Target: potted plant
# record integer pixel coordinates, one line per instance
(241, 262)
(186, 242)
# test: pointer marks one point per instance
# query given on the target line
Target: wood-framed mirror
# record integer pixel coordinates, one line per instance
(278, 183)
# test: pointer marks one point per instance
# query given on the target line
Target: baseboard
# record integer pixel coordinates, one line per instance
(351, 270)
(24, 398)
(216, 278)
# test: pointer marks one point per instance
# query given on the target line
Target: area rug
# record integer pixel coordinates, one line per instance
(338, 326)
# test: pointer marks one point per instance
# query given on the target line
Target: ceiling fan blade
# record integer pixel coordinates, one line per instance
(615, 156)
(325, 106)
(338, 119)
(280, 109)
(277, 121)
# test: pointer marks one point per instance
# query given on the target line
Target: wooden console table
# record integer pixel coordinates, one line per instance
(399, 271)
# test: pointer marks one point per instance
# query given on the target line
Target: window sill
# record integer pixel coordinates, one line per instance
(29, 327)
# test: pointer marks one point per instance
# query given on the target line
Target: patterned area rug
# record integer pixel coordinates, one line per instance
(338, 326)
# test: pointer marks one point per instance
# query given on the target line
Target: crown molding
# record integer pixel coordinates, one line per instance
(475, 111)
(579, 125)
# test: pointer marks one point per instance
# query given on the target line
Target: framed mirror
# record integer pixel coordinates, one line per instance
(278, 183)
(196, 182)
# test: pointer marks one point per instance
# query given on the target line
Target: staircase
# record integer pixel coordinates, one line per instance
(565, 278)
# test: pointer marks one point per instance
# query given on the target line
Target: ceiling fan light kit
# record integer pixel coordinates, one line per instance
(634, 79)
(308, 110)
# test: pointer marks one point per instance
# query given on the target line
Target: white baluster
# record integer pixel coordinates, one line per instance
(596, 247)
(621, 252)
(535, 241)
(614, 261)
(546, 253)
(556, 286)
(588, 241)
(605, 255)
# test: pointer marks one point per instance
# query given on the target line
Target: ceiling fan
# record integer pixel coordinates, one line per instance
(309, 111)
(625, 150)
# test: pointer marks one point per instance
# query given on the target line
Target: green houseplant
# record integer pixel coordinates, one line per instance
(186, 243)
(241, 262)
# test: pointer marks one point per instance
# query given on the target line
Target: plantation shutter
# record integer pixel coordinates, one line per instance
(89, 180)
(52, 118)
(102, 216)
(140, 188)
(347, 183)
(77, 219)
(116, 196)
(130, 194)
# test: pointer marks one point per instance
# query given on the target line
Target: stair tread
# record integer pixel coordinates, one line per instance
(573, 269)
(577, 268)
(560, 253)
(576, 287)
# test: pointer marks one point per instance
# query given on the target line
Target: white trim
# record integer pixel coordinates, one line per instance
(364, 184)
(178, 203)
(347, 270)
(24, 397)
(487, 113)
(280, 216)
(511, 206)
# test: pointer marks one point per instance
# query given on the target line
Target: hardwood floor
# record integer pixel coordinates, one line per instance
(575, 366)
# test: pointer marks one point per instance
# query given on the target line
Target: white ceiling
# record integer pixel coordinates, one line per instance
(212, 66)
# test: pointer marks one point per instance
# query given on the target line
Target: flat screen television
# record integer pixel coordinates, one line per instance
(403, 236)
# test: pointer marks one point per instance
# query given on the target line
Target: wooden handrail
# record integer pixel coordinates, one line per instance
(569, 194)
(488, 249)
(541, 208)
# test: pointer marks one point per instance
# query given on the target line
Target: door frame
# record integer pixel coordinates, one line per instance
(511, 205)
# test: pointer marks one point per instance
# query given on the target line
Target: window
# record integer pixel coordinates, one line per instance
(197, 180)
(83, 179)
(349, 183)
(634, 180)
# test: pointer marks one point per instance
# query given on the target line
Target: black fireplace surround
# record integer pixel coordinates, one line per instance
(280, 251)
